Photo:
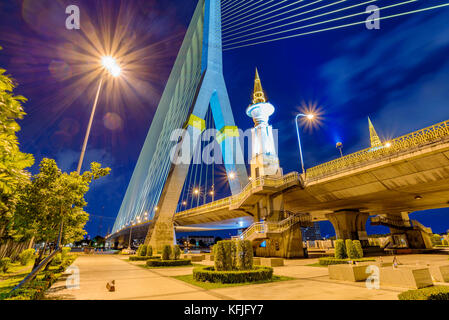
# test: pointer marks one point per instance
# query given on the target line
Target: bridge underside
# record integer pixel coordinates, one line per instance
(415, 181)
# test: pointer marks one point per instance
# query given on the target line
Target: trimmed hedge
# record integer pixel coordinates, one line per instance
(208, 274)
(142, 250)
(168, 263)
(430, 293)
(139, 258)
(351, 252)
(328, 261)
(244, 255)
(166, 252)
(340, 249)
(358, 248)
(176, 251)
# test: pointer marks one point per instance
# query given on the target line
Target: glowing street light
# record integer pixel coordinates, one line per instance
(111, 65)
(196, 191)
(309, 117)
(339, 146)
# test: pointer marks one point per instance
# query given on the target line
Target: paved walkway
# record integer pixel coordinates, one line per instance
(136, 283)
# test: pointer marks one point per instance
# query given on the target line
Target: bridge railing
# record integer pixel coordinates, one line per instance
(414, 139)
(246, 192)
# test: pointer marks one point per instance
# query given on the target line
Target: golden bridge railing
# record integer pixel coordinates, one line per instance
(246, 192)
(415, 139)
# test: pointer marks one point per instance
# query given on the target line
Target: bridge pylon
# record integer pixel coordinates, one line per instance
(195, 84)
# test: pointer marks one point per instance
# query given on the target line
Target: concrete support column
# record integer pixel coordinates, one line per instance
(348, 223)
(292, 241)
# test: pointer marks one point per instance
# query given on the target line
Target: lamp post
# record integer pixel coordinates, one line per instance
(339, 146)
(110, 64)
(309, 117)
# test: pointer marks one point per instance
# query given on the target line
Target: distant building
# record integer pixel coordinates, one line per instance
(206, 240)
(312, 233)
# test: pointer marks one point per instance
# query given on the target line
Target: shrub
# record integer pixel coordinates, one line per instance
(25, 256)
(139, 258)
(350, 250)
(142, 250)
(328, 260)
(5, 263)
(168, 263)
(57, 259)
(166, 252)
(176, 252)
(149, 251)
(429, 293)
(340, 249)
(445, 242)
(208, 274)
(224, 255)
(244, 255)
(65, 252)
(358, 248)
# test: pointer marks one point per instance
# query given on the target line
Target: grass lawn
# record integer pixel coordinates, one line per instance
(15, 274)
(209, 286)
(316, 265)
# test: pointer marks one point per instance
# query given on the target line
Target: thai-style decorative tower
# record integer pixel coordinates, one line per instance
(375, 140)
(264, 160)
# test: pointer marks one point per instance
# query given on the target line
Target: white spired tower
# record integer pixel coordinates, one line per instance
(264, 160)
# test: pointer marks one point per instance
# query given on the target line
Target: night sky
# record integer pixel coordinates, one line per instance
(398, 75)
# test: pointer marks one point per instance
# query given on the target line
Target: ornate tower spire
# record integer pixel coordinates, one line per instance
(375, 140)
(258, 95)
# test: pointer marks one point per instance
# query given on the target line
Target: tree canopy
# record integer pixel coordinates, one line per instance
(53, 197)
(13, 162)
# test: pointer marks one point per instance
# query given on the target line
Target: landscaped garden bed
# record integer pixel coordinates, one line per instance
(329, 261)
(209, 274)
(138, 258)
(168, 263)
(346, 251)
(233, 263)
(430, 293)
(35, 290)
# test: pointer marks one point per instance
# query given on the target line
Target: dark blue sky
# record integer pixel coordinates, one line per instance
(398, 75)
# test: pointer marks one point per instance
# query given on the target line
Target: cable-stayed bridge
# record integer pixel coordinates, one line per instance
(166, 191)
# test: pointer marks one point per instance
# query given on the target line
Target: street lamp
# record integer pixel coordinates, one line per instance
(309, 117)
(339, 146)
(111, 65)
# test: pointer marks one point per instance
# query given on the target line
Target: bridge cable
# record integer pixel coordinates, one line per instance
(288, 18)
(227, 18)
(230, 19)
(339, 27)
(240, 5)
(226, 3)
(294, 22)
(318, 23)
(231, 28)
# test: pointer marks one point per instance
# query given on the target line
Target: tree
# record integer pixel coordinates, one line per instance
(13, 162)
(54, 198)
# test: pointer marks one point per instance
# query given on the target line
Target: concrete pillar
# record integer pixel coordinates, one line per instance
(348, 223)
(292, 243)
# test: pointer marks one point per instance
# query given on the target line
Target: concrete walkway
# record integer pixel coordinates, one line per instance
(136, 283)
(132, 282)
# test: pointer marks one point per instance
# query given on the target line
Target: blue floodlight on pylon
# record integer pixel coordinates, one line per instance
(196, 82)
